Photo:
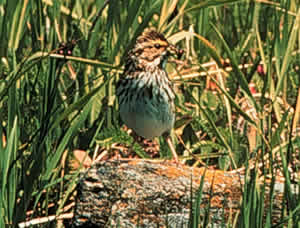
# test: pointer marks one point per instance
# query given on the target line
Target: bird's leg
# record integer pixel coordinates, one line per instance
(146, 145)
(135, 140)
(168, 139)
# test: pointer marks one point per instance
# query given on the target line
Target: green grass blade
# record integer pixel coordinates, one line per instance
(288, 57)
(238, 74)
(9, 176)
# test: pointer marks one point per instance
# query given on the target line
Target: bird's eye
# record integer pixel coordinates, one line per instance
(157, 46)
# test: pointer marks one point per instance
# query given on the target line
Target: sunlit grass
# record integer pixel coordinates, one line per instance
(50, 106)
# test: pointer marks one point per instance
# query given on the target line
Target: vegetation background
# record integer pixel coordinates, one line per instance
(238, 95)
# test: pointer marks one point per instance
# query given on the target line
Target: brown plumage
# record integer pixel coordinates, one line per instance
(145, 92)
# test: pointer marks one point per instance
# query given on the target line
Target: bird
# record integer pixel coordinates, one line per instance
(145, 92)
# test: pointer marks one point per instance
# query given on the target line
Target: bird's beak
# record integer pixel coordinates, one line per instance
(175, 51)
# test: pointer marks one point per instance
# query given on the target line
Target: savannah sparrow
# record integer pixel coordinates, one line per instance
(145, 93)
